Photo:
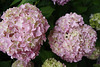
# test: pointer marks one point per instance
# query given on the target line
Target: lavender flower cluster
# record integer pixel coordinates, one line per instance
(71, 39)
(60, 2)
(22, 32)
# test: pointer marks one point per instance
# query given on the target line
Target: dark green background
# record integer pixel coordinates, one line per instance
(52, 13)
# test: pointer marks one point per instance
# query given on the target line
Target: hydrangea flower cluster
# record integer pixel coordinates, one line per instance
(71, 39)
(22, 32)
(95, 54)
(95, 21)
(51, 62)
(19, 63)
(60, 2)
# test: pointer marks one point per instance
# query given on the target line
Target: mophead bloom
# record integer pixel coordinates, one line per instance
(71, 39)
(95, 20)
(19, 63)
(22, 32)
(95, 54)
(60, 2)
(65, 23)
(51, 62)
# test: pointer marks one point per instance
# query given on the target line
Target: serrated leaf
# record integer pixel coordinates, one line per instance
(14, 2)
(47, 11)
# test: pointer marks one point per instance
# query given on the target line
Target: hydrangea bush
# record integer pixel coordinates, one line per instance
(23, 29)
(71, 39)
(22, 32)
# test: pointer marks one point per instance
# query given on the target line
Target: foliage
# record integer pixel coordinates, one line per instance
(52, 13)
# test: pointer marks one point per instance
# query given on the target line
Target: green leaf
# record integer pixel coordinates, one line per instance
(51, 22)
(44, 54)
(98, 39)
(27, 1)
(47, 11)
(81, 9)
(44, 3)
(98, 43)
(93, 9)
(72, 65)
(5, 63)
(14, 2)
(85, 18)
(96, 2)
(86, 2)
(96, 65)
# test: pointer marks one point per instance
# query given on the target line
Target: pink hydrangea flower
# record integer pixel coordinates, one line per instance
(65, 23)
(71, 40)
(60, 2)
(22, 32)
(95, 54)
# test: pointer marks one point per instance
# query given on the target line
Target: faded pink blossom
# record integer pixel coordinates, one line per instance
(19, 63)
(71, 39)
(65, 23)
(22, 32)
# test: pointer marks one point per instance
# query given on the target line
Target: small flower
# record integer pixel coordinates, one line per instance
(60, 2)
(51, 62)
(22, 32)
(95, 21)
